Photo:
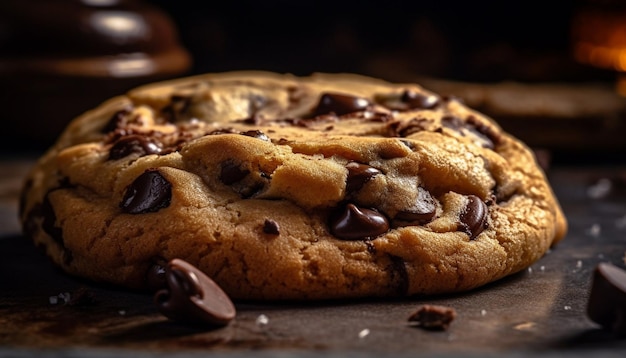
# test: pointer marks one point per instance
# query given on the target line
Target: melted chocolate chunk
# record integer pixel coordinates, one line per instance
(256, 134)
(358, 175)
(340, 104)
(118, 120)
(192, 297)
(423, 211)
(271, 227)
(433, 317)
(150, 192)
(350, 222)
(178, 107)
(405, 129)
(474, 216)
(607, 299)
(491, 137)
(134, 144)
(232, 172)
(453, 122)
(416, 100)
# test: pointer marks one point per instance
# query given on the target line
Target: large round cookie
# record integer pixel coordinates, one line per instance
(279, 187)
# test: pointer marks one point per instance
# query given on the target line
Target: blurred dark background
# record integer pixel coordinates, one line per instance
(470, 40)
(59, 58)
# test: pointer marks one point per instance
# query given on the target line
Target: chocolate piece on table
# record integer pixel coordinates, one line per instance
(433, 317)
(193, 297)
(607, 299)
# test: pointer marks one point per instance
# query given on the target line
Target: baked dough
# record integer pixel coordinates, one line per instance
(283, 187)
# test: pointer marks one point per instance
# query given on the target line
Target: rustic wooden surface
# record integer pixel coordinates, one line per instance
(540, 311)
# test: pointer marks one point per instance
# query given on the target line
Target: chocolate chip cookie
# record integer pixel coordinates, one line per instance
(281, 187)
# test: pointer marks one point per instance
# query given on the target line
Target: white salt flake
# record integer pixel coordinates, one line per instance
(621, 222)
(262, 320)
(530, 270)
(364, 333)
(53, 300)
(542, 268)
(483, 313)
(579, 264)
(594, 230)
(600, 189)
(122, 312)
(567, 308)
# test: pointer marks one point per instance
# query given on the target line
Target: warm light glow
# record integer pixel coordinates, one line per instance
(100, 2)
(601, 56)
(135, 65)
(119, 25)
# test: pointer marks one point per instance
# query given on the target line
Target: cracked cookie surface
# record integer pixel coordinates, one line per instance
(284, 187)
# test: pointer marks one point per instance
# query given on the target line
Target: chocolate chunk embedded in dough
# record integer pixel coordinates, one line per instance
(150, 192)
(353, 223)
(474, 216)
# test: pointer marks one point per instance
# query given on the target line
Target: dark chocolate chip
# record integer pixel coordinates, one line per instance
(358, 175)
(232, 172)
(193, 297)
(607, 299)
(271, 227)
(474, 216)
(417, 100)
(340, 104)
(350, 222)
(150, 192)
(256, 134)
(423, 211)
(134, 144)
(433, 317)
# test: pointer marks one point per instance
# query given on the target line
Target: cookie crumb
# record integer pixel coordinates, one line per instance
(594, 230)
(433, 317)
(81, 297)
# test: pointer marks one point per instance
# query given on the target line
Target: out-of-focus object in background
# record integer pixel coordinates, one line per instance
(598, 34)
(575, 122)
(59, 58)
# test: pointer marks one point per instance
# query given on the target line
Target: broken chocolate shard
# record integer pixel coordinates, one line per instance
(607, 298)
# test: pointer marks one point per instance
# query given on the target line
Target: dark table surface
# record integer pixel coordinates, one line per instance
(540, 311)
